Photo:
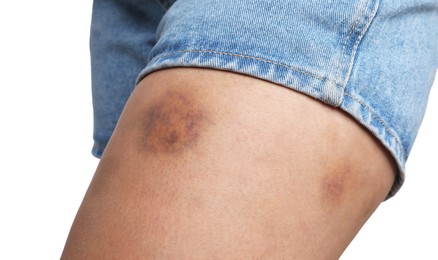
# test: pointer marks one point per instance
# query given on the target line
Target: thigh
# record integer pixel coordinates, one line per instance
(209, 164)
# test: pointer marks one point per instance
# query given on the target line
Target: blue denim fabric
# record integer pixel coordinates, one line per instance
(122, 35)
(374, 59)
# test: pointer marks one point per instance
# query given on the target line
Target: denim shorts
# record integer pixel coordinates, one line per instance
(374, 59)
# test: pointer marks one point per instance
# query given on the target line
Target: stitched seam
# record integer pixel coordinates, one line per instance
(341, 58)
(356, 44)
(253, 58)
(162, 5)
(381, 122)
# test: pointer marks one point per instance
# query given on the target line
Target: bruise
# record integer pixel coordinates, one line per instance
(344, 187)
(333, 188)
(173, 124)
(335, 185)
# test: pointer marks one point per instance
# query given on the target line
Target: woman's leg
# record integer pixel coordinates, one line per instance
(207, 164)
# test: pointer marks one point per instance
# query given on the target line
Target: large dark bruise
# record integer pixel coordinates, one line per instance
(173, 124)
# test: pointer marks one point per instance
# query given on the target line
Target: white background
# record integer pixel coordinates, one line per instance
(45, 142)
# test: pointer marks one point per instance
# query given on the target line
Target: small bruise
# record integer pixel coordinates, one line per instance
(335, 185)
(333, 188)
(173, 124)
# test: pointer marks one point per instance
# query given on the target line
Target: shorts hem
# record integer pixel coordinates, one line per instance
(98, 149)
(318, 86)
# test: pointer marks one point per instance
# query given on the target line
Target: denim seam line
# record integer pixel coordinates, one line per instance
(162, 5)
(345, 40)
(356, 44)
(250, 57)
(380, 121)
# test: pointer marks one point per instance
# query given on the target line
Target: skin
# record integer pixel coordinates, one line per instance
(207, 164)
